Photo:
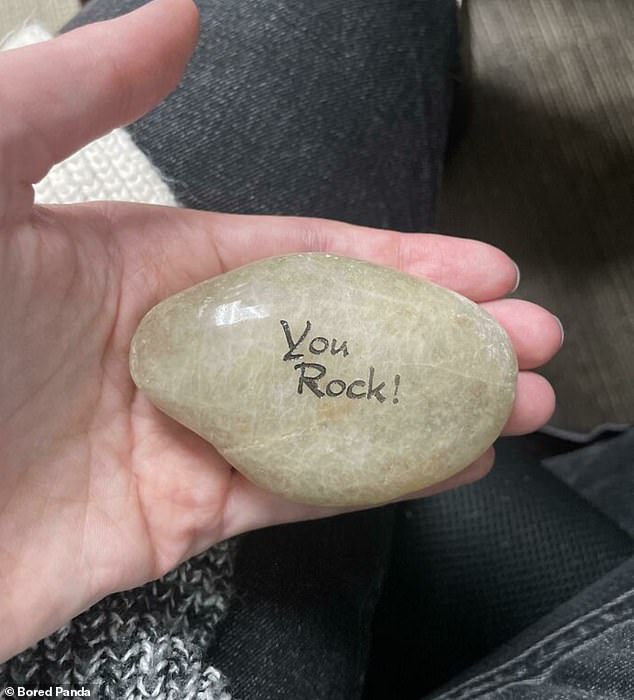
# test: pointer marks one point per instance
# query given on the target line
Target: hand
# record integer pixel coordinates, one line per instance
(99, 491)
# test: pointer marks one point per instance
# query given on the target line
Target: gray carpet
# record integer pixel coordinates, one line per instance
(545, 171)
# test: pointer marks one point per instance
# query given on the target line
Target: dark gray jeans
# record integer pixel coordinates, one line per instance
(516, 587)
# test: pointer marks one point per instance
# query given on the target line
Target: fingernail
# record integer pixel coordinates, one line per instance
(517, 278)
(561, 328)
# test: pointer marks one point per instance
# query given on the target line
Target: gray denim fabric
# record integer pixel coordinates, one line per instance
(582, 651)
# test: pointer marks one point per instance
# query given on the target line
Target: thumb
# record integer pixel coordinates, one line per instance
(61, 94)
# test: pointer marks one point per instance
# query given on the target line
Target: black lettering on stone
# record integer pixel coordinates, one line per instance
(310, 381)
(335, 382)
(351, 394)
(397, 383)
(321, 341)
(334, 350)
(292, 345)
(375, 391)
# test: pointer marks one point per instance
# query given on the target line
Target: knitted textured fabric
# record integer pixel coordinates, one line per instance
(111, 168)
(151, 641)
(147, 642)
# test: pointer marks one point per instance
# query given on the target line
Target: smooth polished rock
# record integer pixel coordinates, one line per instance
(329, 380)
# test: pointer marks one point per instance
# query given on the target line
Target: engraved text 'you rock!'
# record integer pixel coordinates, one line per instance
(314, 375)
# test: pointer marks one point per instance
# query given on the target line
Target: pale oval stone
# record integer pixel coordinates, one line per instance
(329, 380)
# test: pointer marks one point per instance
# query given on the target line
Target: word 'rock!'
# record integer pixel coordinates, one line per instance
(329, 380)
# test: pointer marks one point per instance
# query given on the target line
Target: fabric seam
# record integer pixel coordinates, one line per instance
(582, 628)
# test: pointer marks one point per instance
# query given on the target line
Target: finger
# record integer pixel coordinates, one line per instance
(534, 404)
(61, 94)
(536, 334)
(199, 244)
(472, 268)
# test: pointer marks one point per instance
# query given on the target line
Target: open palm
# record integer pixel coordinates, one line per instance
(98, 490)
